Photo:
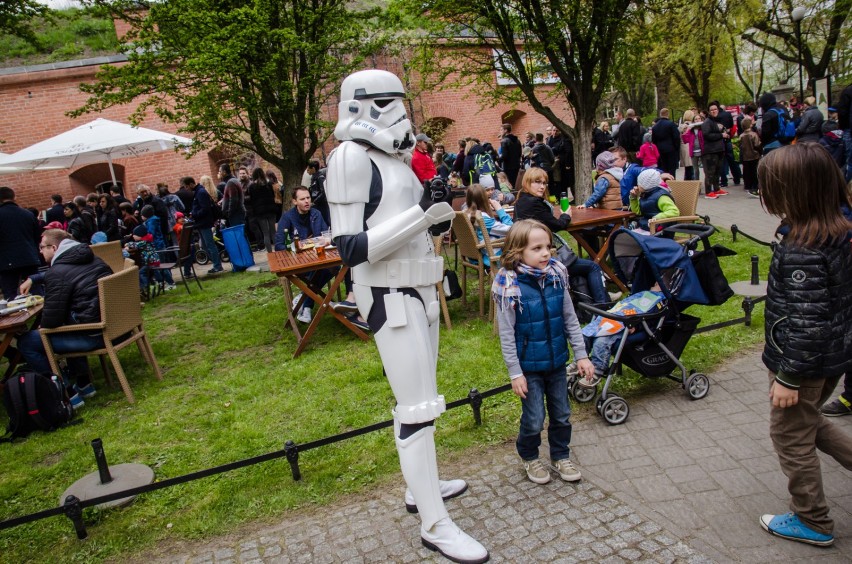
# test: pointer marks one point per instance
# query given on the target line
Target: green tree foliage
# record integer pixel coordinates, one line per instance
(257, 74)
(823, 29)
(572, 41)
(16, 17)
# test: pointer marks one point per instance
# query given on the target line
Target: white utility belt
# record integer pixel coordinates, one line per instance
(400, 273)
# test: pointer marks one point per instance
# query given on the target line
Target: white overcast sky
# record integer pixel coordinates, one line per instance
(60, 3)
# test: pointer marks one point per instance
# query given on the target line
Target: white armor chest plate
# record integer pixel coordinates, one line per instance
(400, 191)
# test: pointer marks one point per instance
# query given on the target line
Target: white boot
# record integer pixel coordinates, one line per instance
(437, 531)
(445, 537)
(449, 490)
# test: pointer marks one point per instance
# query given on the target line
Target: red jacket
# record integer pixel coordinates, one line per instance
(422, 165)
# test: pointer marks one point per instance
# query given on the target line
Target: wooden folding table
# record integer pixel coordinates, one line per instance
(588, 218)
(295, 268)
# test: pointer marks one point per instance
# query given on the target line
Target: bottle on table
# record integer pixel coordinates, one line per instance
(563, 201)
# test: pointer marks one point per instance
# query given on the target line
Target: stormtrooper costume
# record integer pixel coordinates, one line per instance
(380, 215)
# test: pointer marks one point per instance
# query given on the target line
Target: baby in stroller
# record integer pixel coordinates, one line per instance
(602, 334)
(648, 330)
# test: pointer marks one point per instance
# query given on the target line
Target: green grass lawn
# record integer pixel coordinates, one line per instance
(232, 390)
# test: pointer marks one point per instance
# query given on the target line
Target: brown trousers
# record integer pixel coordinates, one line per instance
(796, 433)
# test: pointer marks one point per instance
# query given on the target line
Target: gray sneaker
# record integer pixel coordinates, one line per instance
(836, 408)
(566, 470)
(536, 471)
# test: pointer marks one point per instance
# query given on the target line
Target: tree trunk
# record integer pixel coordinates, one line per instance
(583, 158)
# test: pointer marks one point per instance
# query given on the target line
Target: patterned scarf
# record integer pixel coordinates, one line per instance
(506, 292)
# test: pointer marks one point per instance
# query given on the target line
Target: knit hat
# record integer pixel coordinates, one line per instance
(178, 215)
(486, 181)
(99, 237)
(649, 179)
(140, 230)
(54, 225)
(604, 161)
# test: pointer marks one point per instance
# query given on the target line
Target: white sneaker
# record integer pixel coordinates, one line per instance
(449, 490)
(305, 315)
(445, 537)
(296, 298)
(169, 287)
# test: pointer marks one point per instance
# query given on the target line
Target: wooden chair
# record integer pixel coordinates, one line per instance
(111, 254)
(184, 253)
(439, 246)
(120, 325)
(685, 195)
(470, 256)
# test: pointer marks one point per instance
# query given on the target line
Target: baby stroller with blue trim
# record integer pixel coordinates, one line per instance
(654, 348)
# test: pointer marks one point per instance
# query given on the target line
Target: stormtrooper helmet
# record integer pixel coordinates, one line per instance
(371, 110)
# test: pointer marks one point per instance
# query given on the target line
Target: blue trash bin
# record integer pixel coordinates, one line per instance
(237, 245)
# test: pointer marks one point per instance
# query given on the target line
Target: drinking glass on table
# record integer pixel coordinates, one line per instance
(326, 235)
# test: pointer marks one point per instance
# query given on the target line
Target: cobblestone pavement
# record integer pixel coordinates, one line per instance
(680, 481)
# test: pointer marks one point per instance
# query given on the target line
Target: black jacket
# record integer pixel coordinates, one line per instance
(712, 133)
(82, 228)
(56, 212)
(629, 135)
(666, 136)
(808, 319)
(202, 208)
(844, 108)
(108, 223)
(19, 237)
(510, 152)
(71, 288)
(528, 206)
(262, 198)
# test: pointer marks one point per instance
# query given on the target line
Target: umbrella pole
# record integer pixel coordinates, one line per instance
(111, 170)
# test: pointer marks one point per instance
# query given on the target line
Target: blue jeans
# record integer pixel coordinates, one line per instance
(552, 388)
(210, 245)
(319, 279)
(729, 163)
(589, 270)
(32, 349)
(602, 349)
(847, 141)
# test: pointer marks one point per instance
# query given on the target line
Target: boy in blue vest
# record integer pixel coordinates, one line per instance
(650, 200)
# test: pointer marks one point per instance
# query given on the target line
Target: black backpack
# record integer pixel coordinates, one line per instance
(34, 401)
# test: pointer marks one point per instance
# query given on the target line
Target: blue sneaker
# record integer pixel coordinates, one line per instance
(86, 391)
(77, 402)
(788, 526)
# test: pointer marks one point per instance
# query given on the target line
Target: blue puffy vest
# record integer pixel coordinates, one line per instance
(648, 206)
(539, 329)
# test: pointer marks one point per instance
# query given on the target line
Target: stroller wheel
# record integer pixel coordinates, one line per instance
(697, 386)
(583, 394)
(615, 410)
(201, 256)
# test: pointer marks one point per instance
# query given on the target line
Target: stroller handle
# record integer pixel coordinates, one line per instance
(699, 232)
(633, 319)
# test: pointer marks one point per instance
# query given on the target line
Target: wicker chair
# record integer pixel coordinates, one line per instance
(111, 254)
(121, 325)
(439, 246)
(470, 256)
(685, 195)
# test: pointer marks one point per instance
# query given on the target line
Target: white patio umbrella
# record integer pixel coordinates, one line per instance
(99, 141)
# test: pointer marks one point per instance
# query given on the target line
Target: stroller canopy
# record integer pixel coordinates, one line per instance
(644, 260)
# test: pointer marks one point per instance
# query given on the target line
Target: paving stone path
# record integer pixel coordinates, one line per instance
(680, 481)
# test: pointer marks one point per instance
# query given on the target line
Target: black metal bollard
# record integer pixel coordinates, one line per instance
(74, 511)
(100, 458)
(734, 230)
(755, 273)
(748, 307)
(475, 402)
(291, 450)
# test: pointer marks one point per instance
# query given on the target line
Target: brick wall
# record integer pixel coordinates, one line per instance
(32, 109)
(33, 106)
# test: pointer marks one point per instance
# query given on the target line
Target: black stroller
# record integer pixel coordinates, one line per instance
(654, 349)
